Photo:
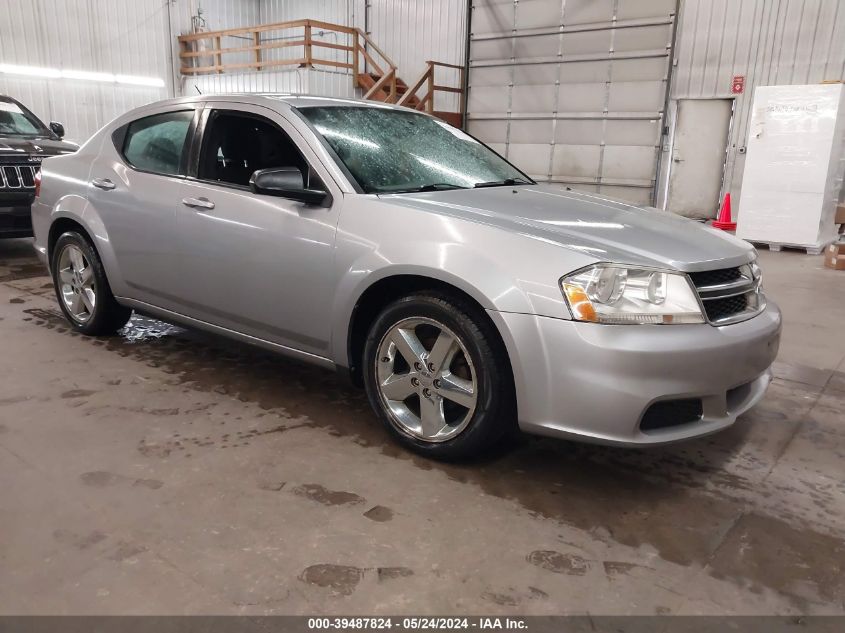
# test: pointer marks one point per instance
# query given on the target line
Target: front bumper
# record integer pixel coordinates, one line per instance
(15, 215)
(595, 382)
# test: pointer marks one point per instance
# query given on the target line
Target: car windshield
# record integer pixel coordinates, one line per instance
(17, 121)
(394, 151)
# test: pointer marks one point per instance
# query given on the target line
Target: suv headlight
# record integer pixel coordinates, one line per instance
(607, 293)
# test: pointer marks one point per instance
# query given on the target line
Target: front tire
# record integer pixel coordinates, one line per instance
(82, 288)
(437, 375)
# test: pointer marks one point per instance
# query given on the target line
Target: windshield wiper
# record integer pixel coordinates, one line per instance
(507, 182)
(438, 186)
(434, 186)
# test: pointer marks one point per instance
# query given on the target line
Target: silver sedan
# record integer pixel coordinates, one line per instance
(468, 300)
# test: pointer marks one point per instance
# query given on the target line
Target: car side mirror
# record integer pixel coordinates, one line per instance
(286, 182)
(57, 128)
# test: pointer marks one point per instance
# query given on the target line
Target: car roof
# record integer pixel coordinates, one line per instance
(274, 98)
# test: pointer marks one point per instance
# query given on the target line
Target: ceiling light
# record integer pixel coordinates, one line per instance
(81, 75)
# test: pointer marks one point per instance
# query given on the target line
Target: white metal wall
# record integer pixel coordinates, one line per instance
(337, 11)
(770, 42)
(225, 14)
(113, 36)
(294, 81)
(138, 37)
(132, 37)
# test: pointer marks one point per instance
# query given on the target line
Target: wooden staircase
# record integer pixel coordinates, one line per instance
(370, 69)
(369, 80)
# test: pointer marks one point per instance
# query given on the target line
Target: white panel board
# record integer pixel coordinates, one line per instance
(793, 166)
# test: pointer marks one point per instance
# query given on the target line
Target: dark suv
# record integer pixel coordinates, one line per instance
(24, 142)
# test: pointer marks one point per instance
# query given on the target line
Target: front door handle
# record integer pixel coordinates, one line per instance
(103, 183)
(198, 203)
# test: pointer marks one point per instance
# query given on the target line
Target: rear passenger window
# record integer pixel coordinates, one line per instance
(156, 143)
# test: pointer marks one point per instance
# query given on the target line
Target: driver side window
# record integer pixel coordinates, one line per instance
(236, 144)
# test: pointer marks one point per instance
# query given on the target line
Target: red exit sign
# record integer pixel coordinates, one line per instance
(738, 84)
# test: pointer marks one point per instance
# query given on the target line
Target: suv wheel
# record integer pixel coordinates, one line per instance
(82, 288)
(437, 374)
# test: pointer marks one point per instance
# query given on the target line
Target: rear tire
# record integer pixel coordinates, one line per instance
(438, 376)
(82, 289)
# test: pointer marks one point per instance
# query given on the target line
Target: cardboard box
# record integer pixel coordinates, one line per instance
(834, 256)
(840, 214)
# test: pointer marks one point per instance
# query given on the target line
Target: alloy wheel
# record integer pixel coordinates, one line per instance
(76, 283)
(426, 379)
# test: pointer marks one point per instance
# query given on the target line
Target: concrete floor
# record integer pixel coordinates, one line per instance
(165, 471)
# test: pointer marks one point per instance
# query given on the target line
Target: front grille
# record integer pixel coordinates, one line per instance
(719, 309)
(668, 413)
(17, 176)
(729, 295)
(716, 277)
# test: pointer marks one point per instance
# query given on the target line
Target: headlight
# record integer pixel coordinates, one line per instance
(606, 293)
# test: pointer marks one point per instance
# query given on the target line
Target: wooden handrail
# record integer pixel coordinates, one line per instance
(445, 65)
(412, 90)
(241, 49)
(361, 45)
(426, 102)
(370, 60)
(275, 26)
(376, 48)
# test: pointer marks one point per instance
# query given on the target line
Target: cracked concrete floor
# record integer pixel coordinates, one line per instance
(168, 472)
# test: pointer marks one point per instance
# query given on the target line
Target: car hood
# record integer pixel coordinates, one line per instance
(607, 230)
(19, 146)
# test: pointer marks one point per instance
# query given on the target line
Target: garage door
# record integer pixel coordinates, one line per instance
(573, 91)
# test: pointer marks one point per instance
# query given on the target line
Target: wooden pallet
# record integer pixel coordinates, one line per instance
(776, 247)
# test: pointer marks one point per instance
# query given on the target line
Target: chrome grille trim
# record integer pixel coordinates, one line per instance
(732, 301)
(17, 177)
(722, 290)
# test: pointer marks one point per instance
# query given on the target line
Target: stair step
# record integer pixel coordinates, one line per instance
(369, 79)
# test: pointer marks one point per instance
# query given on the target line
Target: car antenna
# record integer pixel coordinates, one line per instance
(197, 88)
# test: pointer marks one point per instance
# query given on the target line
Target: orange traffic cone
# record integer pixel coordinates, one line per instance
(724, 221)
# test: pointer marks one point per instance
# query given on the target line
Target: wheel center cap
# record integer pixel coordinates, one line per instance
(425, 379)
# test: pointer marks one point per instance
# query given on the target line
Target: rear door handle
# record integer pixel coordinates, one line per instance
(103, 183)
(198, 203)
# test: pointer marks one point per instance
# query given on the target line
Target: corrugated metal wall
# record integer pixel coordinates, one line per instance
(770, 42)
(225, 14)
(294, 81)
(337, 11)
(138, 37)
(115, 36)
(133, 37)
